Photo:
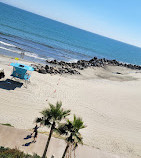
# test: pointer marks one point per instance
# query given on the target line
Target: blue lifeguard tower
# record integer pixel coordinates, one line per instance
(21, 71)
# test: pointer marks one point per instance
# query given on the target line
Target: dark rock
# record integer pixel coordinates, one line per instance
(46, 67)
(95, 58)
(42, 70)
(118, 73)
(2, 75)
(83, 64)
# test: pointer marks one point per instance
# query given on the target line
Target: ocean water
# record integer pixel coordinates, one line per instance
(41, 38)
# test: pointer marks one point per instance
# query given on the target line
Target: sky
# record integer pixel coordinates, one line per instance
(116, 19)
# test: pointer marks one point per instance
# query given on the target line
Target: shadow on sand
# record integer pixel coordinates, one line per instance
(28, 137)
(10, 84)
(28, 144)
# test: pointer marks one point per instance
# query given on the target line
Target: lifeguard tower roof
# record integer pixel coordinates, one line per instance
(22, 66)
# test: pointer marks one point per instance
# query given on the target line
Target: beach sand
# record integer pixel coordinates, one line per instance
(109, 103)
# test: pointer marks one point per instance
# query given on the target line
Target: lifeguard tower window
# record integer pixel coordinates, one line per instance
(21, 65)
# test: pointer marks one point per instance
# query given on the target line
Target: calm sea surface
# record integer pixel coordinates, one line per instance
(41, 38)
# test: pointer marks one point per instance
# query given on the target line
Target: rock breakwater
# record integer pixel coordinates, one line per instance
(62, 67)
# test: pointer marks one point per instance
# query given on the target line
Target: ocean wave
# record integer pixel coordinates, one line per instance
(33, 55)
(14, 51)
(61, 54)
(62, 51)
(7, 44)
(52, 47)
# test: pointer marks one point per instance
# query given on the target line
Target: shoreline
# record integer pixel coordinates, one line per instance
(109, 104)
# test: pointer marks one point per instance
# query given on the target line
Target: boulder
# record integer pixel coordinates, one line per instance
(46, 67)
(2, 75)
(42, 70)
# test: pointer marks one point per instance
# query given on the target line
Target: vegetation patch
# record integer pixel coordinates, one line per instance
(15, 153)
(7, 124)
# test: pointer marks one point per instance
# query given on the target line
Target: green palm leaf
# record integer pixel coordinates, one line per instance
(50, 118)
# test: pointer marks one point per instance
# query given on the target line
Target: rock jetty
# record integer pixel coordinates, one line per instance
(62, 67)
(54, 70)
(95, 62)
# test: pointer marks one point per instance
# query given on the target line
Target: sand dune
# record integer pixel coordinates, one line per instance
(109, 103)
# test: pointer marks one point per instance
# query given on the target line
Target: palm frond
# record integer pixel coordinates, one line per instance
(54, 114)
(38, 120)
(58, 105)
(62, 129)
(66, 113)
(78, 123)
(45, 112)
(72, 129)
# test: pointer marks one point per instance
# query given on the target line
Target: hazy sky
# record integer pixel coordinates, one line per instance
(117, 19)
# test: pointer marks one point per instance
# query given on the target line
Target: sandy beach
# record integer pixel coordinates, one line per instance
(109, 103)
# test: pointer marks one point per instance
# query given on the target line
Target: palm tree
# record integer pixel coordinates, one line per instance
(51, 117)
(71, 129)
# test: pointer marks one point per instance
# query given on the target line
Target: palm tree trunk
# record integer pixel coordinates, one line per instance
(64, 154)
(48, 141)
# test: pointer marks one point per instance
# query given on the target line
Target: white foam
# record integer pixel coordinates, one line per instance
(50, 59)
(33, 55)
(19, 52)
(7, 44)
(73, 61)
